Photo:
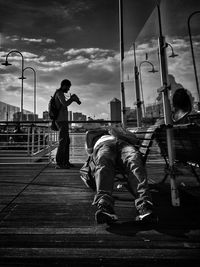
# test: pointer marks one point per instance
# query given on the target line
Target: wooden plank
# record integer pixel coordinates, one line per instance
(81, 241)
(53, 220)
(88, 253)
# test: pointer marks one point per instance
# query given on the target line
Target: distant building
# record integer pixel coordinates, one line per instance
(27, 116)
(45, 115)
(90, 119)
(70, 115)
(7, 111)
(12, 113)
(131, 114)
(115, 110)
(31, 117)
(78, 116)
(154, 110)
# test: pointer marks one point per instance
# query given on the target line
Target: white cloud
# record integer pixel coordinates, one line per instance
(89, 53)
(68, 29)
(48, 40)
(31, 40)
(16, 38)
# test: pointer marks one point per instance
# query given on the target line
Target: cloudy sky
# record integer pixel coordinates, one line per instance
(79, 40)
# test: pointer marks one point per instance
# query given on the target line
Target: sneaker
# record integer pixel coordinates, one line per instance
(62, 167)
(70, 165)
(105, 214)
(146, 214)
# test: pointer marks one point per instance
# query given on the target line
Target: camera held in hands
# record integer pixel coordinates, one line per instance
(76, 99)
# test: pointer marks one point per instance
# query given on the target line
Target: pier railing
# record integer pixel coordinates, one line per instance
(26, 141)
(36, 142)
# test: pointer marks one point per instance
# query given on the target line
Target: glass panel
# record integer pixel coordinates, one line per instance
(174, 18)
(175, 28)
(146, 51)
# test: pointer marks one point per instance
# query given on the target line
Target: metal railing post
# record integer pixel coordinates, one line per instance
(28, 142)
(38, 136)
(50, 143)
(32, 141)
(167, 112)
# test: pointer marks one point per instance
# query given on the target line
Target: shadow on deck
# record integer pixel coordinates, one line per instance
(46, 219)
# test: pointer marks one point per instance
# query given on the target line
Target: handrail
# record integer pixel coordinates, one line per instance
(49, 121)
(29, 141)
(35, 143)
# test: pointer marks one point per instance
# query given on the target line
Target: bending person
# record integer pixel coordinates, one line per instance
(62, 155)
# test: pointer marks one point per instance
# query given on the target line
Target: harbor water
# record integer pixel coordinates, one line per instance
(77, 148)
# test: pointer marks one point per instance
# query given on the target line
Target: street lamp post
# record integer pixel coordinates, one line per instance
(34, 98)
(137, 91)
(22, 88)
(172, 50)
(121, 37)
(141, 87)
(167, 110)
(193, 57)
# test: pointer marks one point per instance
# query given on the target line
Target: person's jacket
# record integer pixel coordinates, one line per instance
(62, 105)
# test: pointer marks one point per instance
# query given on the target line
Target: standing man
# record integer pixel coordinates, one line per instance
(62, 155)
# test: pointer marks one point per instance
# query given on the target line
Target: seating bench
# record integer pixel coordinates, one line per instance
(186, 145)
(185, 142)
(146, 136)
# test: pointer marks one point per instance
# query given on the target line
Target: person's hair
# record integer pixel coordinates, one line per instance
(65, 82)
(181, 100)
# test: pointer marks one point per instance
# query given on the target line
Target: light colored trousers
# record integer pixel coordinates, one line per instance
(117, 154)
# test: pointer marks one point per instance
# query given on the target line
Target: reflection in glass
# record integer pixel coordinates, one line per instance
(153, 70)
(145, 35)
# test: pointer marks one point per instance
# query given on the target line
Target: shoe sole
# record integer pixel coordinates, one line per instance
(62, 168)
(105, 217)
(142, 217)
(147, 218)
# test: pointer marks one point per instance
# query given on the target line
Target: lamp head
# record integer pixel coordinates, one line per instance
(153, 70)
(22, 78)
(173, 55)
(6, 63)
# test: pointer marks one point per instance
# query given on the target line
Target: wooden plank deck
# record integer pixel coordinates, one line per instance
(46, 219)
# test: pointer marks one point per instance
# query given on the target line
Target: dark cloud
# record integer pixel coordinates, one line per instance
(11, 88)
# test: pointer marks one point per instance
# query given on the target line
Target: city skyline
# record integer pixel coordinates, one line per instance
(7, 112)
(80, 41)
(10, 113)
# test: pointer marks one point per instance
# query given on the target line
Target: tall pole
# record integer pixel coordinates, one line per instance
(167, 111)
(34, 97)
(121, 34)
(193, 57)
(137, 92)
(22, 87)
